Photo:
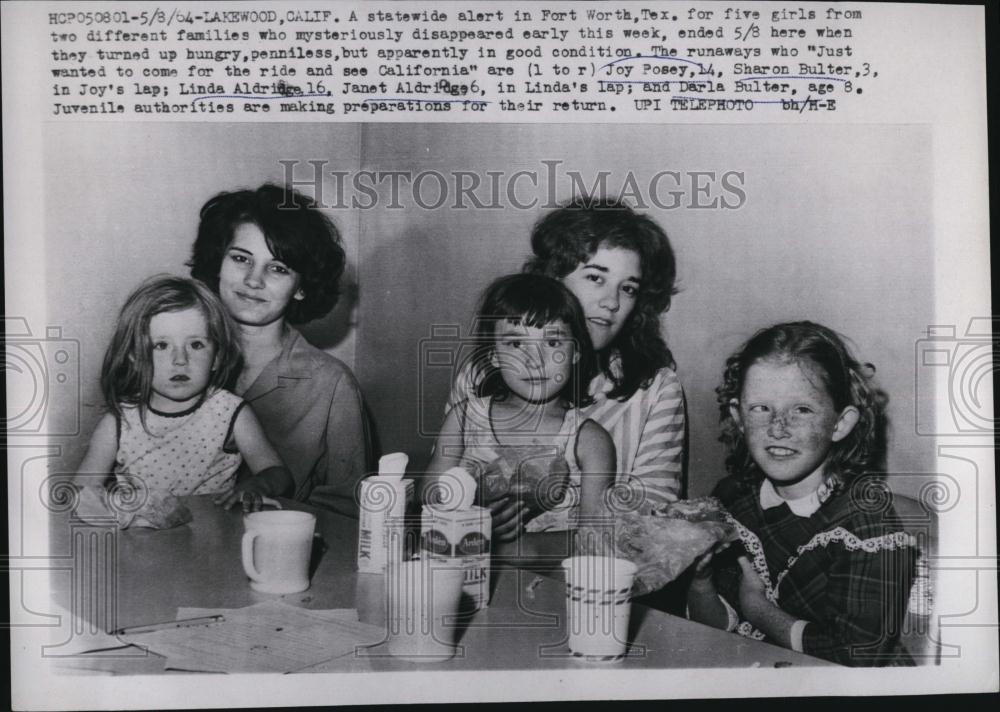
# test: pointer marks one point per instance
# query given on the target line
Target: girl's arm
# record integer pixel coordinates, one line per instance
(765, 616)
(270, 476)
(98, 463)
(659, 460)
(447, 454)
(462, 389)
(703, 601)
(866, 594)
(595, 453)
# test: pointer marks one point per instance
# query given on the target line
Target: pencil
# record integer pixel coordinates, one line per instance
(167, 625)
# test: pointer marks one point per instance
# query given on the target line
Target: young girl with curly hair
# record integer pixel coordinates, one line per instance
(820, 570)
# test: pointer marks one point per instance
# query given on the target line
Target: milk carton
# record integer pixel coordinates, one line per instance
(459, 532)
(384, 499)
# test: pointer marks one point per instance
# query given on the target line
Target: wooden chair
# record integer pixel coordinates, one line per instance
(920, 635)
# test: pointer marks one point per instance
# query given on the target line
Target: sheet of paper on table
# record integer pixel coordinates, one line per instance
(267, 637)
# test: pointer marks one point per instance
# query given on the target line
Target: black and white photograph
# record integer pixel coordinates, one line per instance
(419, 410)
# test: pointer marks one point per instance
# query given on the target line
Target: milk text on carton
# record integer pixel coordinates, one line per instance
(382, 522)
(463, 538)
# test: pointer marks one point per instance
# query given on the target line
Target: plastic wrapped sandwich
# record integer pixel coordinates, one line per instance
(664, 544)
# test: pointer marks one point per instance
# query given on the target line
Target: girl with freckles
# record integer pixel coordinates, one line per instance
(818, 572)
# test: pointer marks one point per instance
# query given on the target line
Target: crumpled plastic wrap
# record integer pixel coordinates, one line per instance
(664, 544)
(150, 508)
(529, 473)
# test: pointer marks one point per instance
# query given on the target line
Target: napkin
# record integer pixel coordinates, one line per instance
(153, 508)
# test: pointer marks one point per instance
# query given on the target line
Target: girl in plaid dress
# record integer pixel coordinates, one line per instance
(824, 568)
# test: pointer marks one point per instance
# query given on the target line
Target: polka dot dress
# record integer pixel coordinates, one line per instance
(182, 453)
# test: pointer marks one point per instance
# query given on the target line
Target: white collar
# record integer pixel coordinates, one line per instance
(801, 507)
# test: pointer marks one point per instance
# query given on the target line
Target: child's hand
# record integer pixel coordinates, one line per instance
(752, 595)
(764, 614)
(508, 517)
(702, 579)
(494, 483)
(250, 496)
(227, 499)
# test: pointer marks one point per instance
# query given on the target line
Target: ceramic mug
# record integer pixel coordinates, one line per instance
(277, 547)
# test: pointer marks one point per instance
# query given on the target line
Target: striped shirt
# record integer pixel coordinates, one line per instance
(647, 429)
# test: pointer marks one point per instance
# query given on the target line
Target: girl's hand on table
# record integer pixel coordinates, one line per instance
(251, 496)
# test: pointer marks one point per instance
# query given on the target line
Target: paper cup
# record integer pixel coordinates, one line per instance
(598, 603)
(276, 550)
(422, 603)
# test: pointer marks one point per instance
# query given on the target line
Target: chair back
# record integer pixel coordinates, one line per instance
(920, 635)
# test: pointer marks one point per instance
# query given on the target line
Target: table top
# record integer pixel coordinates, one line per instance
(140, 576)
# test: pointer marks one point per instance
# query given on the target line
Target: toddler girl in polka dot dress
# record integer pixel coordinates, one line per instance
(172, 428)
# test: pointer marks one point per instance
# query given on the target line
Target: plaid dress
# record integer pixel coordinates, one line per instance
(847, 570)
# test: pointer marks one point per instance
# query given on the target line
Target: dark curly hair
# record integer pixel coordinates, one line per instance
(297, 233)
(568, 236)
(848, 382)
(533, 300)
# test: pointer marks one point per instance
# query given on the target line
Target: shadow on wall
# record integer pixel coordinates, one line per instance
(419, 276)
(331, 330)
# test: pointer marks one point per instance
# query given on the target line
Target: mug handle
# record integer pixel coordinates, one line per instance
(248, 567)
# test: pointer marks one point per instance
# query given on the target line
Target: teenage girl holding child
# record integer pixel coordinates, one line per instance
(171, 427)
(801, 420)
(522, 434)
(571, 389)
(269, 261)
(621, 268)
